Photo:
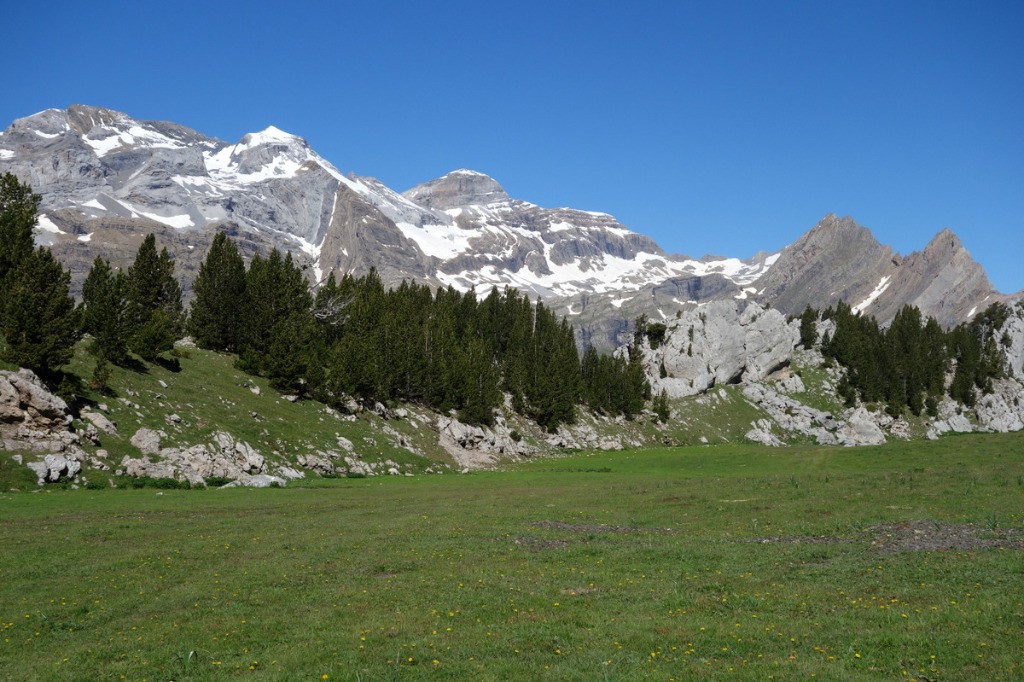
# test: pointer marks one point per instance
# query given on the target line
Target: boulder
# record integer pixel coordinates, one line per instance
(56, 466)
(320, 462)
(100, 421)
(474, 446)
(762, 433)
(860, 429)
(257, 481)
(31, 417)
(147, 441)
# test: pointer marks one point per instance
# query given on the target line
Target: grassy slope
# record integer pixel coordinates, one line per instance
(558, 569)
(210, 395)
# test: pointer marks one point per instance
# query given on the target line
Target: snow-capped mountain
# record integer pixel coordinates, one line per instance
(106, 179)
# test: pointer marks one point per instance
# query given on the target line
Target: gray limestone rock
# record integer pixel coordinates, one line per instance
(718, 343)
(32, 418)
(147, 441)
(100, 421)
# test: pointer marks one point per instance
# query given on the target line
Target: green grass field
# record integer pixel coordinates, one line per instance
(725, 562)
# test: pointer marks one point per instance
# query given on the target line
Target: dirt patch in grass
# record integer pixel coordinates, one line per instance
(916, 536)
(597, 528)
(538, 544)
(934, 536)
(797, 540)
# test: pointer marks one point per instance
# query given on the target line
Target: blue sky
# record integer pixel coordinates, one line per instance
(716, 127)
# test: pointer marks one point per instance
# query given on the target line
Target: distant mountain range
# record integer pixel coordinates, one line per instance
(108, 179)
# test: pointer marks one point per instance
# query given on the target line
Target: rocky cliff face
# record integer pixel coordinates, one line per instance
(723, 342)
(840, 260)
(108, 179)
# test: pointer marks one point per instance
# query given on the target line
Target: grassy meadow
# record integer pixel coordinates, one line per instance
(725, 562)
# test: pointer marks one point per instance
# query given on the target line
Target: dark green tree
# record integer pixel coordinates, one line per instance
(155, 312)
(661, 406)
(480, 393)
(276, 290)
(41, 323)
(808, 328)
(105, 312)
(18, 208)
(217, 311)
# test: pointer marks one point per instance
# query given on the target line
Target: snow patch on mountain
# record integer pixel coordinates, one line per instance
(43, 222)
(883, 284)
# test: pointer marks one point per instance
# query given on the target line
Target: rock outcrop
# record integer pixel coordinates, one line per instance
(223, 457)
(474, 447)
(722, 342)
(31, 417)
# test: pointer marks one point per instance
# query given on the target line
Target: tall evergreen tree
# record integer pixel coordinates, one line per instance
(275, 291)
(808, 327)
(215, 321)
(18, 208)
(105, 312)
(40, 321)
(155, 311)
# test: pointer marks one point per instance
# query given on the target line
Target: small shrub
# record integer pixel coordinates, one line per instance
(216, 481)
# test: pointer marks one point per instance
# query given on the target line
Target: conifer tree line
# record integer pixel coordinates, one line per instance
(905, 366)
(445, 349)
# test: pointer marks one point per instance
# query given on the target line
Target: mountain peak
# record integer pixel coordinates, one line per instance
(271, 135)
(946, 239)
(462, 187)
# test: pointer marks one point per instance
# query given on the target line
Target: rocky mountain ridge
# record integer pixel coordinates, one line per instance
(108, 179)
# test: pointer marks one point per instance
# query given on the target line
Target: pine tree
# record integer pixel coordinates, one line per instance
(277, 295)
(480, 384)
(18, 208)
(808, 327)
(216, 315)
(661, 406)
(105, 312)
(40, 321)
(155, 312)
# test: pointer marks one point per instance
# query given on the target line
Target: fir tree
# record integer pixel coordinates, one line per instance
(661, 407)
(215, 321)
(808, 328)
(155, 312)
(480, 384)
(40, 321)
(276, 291)
(18, 208)
(105, 312)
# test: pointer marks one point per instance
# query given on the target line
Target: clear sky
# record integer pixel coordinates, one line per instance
(714, 127)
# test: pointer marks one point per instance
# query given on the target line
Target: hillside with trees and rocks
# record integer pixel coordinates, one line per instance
(277, 383)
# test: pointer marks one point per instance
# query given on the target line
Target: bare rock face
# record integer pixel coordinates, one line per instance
(1013, 332)
(719, 343)
(836, 260)
(458, 188)
(839, 260)
(32, 418)
(1003, 409)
